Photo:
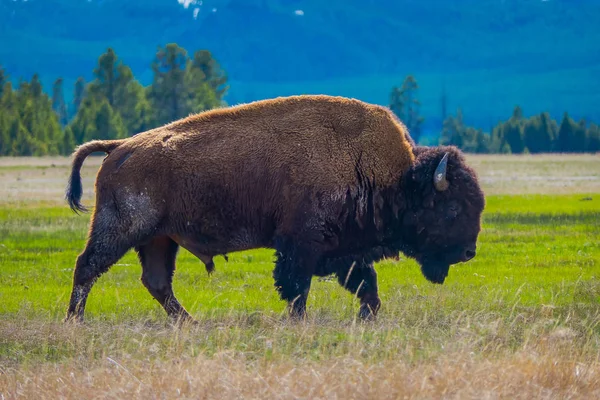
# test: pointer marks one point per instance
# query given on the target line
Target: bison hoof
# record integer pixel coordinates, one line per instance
(73, 319)
(180, 321)
(365, 314)
(297, 315)
(297, 309)
(368, 312)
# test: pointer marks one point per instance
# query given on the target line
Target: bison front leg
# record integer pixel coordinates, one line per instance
(293, 274)
(360, 278)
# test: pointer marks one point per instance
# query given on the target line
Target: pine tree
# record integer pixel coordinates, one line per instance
(58, 102)
(3, 79)
(201, 96)
(108, 76)
(539, 134)
(513, 132)
(9, 98)
(549, 132)
(212, 73)
(83, 125)
(108, 124)
(169, 94)
(406, 106)
(5, 124)
(22, 143)
(96, 120)
(397, 103)
(54, 132)
(145, 118)
(453, 130)
(114, 81)
(566, 134)
(26, 122)
(498, 143)
(38, 119)
(36, 87)
(68, 144)
(482, 142)
(131, 103)
(4, 119)
(78, 95)
(475, 141)
(532, 134)
(593, 138)
(580, 137)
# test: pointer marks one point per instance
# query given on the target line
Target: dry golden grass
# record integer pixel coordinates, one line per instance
(43, 179)
(520, 376)
(538, 174)
(106, 364)
(30, 179)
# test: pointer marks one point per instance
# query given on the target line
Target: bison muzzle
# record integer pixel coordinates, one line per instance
(333, 185)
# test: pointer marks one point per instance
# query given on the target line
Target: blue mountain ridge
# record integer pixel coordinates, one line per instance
(489, 54)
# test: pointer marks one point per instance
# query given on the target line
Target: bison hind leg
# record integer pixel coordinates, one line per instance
(97, 258)
(109, 239)
(157, 257)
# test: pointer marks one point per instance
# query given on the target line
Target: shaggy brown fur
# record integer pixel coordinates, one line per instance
(317, 178)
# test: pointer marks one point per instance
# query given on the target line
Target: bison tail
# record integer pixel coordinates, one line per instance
(74, 188)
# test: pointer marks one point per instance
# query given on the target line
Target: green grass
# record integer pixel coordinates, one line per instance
(534, 251)
(528, 304)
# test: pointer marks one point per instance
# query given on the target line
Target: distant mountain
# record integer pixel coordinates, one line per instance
(490, 54)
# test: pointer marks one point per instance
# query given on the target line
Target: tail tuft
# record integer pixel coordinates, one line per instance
(74, 188)
(74, 192)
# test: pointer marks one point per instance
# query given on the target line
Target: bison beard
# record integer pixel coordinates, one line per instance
(435, 271)
(333, 185)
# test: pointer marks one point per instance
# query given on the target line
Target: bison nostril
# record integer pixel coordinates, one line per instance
(469, 254)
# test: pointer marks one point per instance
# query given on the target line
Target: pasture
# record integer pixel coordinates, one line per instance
(521, 320)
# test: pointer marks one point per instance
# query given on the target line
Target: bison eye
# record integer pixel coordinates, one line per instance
(453, 211)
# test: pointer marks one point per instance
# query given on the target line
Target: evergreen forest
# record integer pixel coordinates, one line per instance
(35, 122)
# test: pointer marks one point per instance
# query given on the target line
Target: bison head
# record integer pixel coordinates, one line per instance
(443, 205)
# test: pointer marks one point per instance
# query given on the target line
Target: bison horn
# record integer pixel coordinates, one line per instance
(439, 178)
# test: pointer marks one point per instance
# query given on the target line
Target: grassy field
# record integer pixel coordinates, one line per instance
(521, 320)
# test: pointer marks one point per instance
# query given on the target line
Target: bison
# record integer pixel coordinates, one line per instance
(331, 184)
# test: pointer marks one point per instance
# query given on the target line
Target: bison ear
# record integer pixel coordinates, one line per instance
(439, 177)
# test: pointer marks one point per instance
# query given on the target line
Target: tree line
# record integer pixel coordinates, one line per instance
(517, 135)
(113, 105)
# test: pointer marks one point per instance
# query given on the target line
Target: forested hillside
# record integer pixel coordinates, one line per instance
(490, 55)
(113, 105)
(116, 105)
